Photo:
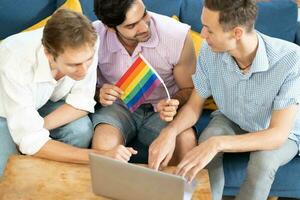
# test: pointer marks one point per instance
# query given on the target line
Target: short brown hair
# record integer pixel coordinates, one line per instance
(67, 28)
(234, 13)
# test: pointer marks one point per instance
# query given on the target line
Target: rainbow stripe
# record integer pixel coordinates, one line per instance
(138, 83)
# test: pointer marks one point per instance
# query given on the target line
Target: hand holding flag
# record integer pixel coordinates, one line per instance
(167, 109)
(138, 83)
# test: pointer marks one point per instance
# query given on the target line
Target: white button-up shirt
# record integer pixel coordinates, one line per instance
(26, 84)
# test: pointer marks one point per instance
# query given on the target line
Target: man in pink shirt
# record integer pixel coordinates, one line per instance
(127, 29)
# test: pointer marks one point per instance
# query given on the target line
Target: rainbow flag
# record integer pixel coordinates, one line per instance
(138, 82)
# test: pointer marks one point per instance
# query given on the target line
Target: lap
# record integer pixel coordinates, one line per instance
(278, 157)
(220, 125)
(77, 133)
(144, 123)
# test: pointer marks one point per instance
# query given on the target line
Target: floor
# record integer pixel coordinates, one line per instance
(232, 198)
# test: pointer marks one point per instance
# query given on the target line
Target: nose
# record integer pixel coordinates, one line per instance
(143, 26)
(82, 68)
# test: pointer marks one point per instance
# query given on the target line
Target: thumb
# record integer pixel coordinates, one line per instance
(132, 151)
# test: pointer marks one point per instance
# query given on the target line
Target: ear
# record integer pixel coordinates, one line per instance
(238, 32)
(49, 55)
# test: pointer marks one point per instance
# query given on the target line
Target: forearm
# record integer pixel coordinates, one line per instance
(268, 139)
(186, 118)
(58, 151)
(271, 138)
(62, 115)
(182, 95)
(188, 114)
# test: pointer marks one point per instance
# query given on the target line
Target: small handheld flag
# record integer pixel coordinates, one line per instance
(138, 82)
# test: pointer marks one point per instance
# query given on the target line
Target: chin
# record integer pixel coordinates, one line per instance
(77, 78)
(144, 39)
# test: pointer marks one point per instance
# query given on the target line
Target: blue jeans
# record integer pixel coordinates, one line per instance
(77, 133)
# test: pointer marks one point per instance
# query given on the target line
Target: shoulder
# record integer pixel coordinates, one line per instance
(19, 52)
(99, 26)
(22, 42)
(281, 51)
(169, 27)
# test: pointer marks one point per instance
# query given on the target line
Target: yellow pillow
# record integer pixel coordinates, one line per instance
(197, 41)
(69, 4)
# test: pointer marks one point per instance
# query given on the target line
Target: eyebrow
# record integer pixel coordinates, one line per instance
(145, 13)
(80, 62)
(205, 26)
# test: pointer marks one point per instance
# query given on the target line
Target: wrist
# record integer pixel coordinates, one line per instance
(170, 131)
(216, 142)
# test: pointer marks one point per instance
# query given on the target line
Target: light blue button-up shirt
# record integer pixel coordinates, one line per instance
(272, 83)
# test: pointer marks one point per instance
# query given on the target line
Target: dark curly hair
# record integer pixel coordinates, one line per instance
(112, 12)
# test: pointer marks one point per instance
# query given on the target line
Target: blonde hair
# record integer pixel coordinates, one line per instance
(65, 29)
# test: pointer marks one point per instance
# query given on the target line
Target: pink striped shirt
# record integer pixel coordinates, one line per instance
(162, 50)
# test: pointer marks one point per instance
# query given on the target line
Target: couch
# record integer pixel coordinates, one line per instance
(277, 18)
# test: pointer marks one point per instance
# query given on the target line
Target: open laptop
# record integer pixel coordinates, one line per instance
(124, 181)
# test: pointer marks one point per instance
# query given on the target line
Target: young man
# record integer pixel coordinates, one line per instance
(127, 29)
(47, 85)
(254, 79)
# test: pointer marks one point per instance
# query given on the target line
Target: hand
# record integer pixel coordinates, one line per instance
(162, 148)
(121, 153)
(197, 159)
(167, 109)
(109, 93)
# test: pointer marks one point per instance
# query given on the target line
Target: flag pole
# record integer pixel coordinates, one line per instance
(158, 76)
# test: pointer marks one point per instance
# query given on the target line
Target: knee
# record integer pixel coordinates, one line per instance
(79, 132)
(107, 137)
(185, 142)
(262, 165)
(211, 131)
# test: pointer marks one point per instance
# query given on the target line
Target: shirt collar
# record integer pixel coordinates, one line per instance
(43, 70)
(115, 45)
(260, 62)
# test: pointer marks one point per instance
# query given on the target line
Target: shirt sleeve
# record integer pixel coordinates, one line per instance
(83, 91)
(25, 124)
(200, 78)
(289, 93)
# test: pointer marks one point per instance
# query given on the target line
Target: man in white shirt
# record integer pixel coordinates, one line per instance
(47, 86)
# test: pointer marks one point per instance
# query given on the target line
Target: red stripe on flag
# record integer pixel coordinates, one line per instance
(129, 71)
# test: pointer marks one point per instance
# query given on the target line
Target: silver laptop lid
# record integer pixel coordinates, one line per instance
(125, 181)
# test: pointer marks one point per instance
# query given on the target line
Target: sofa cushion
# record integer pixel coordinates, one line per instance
(69, 4)
(190, 13)
(87, 7)
(277, 18)
(168, 7)
(33, 17)
(17, 15)
(287, 177)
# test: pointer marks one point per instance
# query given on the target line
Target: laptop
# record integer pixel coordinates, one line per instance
(125, 181)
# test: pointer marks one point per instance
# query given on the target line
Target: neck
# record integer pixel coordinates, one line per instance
(246, 49)
(129, 45)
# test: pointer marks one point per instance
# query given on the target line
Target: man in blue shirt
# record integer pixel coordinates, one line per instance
(254, 80)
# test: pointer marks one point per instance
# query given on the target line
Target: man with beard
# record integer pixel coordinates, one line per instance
(127, 29)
